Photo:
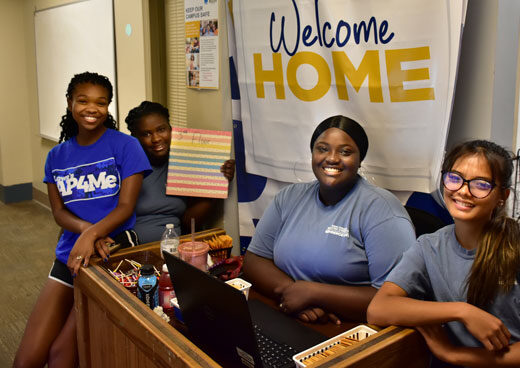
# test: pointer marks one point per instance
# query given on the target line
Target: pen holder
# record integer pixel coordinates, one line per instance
(332, 346)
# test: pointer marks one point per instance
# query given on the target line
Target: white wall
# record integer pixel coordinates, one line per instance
(22, 150)
(484, 105)
(132, 85)
(15, 130)
(506, 59)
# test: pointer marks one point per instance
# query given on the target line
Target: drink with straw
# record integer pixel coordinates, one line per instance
(193, 252)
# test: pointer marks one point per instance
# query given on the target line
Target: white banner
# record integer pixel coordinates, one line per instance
(390, 65)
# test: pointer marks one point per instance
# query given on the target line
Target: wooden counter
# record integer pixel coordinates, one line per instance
(115, 329)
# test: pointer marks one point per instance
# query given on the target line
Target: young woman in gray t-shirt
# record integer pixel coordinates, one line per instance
(464, 276)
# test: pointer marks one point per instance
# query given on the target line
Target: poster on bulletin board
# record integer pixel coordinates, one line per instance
(195, 159)
(201, 27)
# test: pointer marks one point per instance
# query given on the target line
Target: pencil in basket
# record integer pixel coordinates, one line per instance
(220, 247)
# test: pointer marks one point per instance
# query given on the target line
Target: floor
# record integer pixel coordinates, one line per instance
(27, 242)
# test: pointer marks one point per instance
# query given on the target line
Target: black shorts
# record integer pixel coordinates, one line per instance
(59, 272)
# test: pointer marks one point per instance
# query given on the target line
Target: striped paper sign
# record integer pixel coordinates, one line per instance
(195, 159)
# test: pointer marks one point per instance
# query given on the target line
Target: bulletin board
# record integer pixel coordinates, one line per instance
(71, 39)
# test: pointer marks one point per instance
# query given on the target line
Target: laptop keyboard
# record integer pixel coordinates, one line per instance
(273, 354)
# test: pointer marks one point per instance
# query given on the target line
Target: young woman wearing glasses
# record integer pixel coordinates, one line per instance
(459, 286)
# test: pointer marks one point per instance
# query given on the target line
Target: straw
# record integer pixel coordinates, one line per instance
(157, 271)
(117, 268)
(192, 233)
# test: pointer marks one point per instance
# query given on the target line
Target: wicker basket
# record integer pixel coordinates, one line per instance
(220, 254)
(144, 257)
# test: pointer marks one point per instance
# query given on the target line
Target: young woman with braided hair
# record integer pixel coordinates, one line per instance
(69, 127)
(93, 180)
(150, 124)
(465, 276)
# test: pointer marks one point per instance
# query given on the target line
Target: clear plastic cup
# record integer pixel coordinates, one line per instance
(195, 253)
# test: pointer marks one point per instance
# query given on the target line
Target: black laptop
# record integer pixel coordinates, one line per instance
(233, 331)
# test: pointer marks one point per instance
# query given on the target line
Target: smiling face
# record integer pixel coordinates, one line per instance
(463, 206)
(89, 107)
(335, 162)
(154, 133)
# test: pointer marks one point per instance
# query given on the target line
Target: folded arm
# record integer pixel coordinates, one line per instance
(440, 345)
(63, 217)
(349, 302)
(480, 357)
(392, 306)
(84, 245)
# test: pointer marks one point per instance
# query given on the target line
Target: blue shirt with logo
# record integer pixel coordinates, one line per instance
(89, 179)
(356, 242)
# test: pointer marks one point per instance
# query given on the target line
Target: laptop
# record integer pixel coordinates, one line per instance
(233, 331)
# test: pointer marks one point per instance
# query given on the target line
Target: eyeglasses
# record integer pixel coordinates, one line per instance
(479, 188)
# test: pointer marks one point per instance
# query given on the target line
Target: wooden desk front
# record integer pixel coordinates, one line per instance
(115, 329)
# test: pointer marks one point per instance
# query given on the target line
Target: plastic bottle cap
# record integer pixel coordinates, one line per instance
(164, 268)
(147, 269)
(169, 226)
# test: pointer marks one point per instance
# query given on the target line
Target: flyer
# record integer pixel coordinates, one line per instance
(201, 27)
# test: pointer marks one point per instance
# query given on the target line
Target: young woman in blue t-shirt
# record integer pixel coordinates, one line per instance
(93, 180)
(323, 248)
(465, 276)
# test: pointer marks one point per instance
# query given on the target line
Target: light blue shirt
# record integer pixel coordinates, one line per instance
(436, 269)
(357, 241)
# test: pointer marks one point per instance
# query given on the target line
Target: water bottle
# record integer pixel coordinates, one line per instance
(166, 293)
(170, 241)
(147, 290)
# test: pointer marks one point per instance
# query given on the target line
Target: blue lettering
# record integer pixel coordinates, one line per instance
(363, 27)
(382, 32)
(325, 26)
(307, 31)
(282, 34)
(342, 24)
(317, 21)
(362, 31)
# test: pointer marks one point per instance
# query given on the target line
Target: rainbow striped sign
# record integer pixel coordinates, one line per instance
(195, 159)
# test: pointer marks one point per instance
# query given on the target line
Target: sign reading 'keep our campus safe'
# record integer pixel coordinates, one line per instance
(390, 65)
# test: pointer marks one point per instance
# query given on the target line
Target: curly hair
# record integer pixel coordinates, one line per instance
(144, 109)
(69, 126)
